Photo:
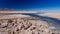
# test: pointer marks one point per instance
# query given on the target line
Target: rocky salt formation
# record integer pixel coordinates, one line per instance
(23, 26)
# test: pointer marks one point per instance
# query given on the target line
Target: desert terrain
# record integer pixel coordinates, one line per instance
(54, 15)
(23, 24)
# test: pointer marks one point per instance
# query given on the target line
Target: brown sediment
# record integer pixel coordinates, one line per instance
(23, 26)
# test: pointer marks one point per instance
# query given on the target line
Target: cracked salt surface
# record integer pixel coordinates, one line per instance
(23, 26)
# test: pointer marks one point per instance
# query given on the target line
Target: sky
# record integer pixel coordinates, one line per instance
(31, 4)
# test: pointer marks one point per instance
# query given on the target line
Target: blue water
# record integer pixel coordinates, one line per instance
(32, 4)
(54, 20)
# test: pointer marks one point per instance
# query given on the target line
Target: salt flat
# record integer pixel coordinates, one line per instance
(54, 15)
